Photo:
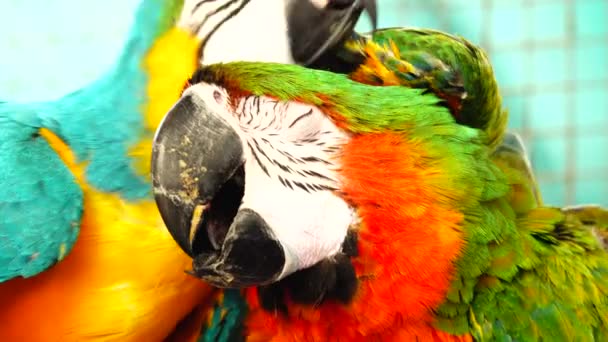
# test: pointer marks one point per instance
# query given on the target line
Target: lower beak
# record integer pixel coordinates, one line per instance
(198, 177)
(250, 256)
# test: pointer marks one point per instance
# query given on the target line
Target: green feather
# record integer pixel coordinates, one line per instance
(363, 109)
(467, 65)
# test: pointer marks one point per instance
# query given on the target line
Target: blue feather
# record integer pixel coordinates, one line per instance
(40, 203)
(101, 121)
(227, 319)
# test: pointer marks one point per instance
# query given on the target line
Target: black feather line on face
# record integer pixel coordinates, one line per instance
(262, 122)
(222, 8)
(290, 183)
(257, 159)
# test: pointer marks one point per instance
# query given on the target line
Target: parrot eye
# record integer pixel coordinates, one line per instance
(217, 96)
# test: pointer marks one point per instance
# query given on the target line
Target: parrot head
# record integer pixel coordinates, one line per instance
(288, 31)
(247, 171)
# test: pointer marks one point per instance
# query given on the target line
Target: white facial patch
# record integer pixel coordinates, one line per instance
(310, 226)
(289, 177)
(291, 152)
(255, 31)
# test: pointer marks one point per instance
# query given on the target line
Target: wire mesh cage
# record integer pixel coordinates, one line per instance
(551, 62)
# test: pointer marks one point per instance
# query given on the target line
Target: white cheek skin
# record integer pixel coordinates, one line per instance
(310, 226)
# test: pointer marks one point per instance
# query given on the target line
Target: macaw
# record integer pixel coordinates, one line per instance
(348, 211)
(84, 254)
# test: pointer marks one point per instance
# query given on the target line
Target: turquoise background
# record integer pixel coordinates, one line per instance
(51, 47)
(551, 62)
(550, 58)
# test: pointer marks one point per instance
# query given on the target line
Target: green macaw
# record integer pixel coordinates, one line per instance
(355, 212)
(450, 67)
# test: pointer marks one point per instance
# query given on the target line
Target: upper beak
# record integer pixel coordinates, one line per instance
(199, 180)
(314, 32)
(188, 169)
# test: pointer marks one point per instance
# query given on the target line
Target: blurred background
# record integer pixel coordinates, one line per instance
(550, 58)
(551, 62)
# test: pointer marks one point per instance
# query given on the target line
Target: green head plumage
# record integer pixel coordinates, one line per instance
(362, 108)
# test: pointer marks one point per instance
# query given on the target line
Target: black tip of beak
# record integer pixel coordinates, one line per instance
(194, 153)
(315, 32)
(250, 256)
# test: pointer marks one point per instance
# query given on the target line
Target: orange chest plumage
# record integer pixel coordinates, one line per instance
(407, 247)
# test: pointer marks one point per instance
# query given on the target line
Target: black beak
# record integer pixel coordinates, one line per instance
(314, 32)
(199, 180)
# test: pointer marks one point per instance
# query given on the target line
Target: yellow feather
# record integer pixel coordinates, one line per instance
(169, 64)
(66, 155)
